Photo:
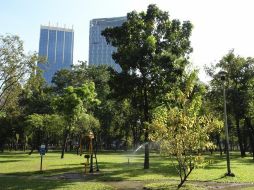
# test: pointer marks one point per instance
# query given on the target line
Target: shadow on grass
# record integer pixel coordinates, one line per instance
(35, 184)
(8, 161)
(48, 172)
(125, 171)
(109, 171)
(13, 155)
(222, 176)
(77, 164)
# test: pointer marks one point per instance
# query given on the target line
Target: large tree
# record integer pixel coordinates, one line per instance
(15, 66)
(152, 51)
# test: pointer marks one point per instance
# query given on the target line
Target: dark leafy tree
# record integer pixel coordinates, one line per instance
(152, 51)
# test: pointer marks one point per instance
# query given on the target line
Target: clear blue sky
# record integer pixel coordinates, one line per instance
(219, 25)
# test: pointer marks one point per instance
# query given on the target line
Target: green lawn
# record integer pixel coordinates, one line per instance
(22, 170)
(8, 183)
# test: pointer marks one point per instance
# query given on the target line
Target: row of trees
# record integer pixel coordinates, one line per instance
(240, 91)
(155, 97)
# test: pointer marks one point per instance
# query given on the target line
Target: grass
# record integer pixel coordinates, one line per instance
(242, 168)
(113, 167)
(38, 184)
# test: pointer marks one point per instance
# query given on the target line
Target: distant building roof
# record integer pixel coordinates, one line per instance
(57, 28)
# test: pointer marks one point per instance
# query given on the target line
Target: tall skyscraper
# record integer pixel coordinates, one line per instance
(99, 51)
(56, 44)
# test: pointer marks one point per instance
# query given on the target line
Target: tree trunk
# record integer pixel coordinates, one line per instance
(245, 136)
(64, 143)
(71, 146)
(240, 140)
(46, 143)
(250, 129)
(146, 116)
(252, 144)
(32, 149)
(34, 143)
(219, 143)
(2, 147)
(185, 178)
(146, 162)
(80, 145)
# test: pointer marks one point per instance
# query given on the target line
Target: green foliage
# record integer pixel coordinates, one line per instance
(35, 121)
(76, 101)
(2, 114)
(44, 122)
(35, 96)
(86, 123)
(69, 105)
(62, 79)
(251, 97)
(41, 128)
(79, 75)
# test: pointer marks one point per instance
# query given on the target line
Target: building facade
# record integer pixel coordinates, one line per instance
(99, 51)
(56, 44)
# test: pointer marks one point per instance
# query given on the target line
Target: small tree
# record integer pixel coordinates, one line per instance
(72, 104)
(182, 129)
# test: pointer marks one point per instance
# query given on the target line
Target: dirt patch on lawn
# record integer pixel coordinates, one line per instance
(224, 186)
(127, 185)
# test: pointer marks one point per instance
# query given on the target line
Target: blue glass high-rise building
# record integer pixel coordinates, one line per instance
(99, 51)
(56, 44)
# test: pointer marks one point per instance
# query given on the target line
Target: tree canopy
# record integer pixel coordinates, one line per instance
(15, 66)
